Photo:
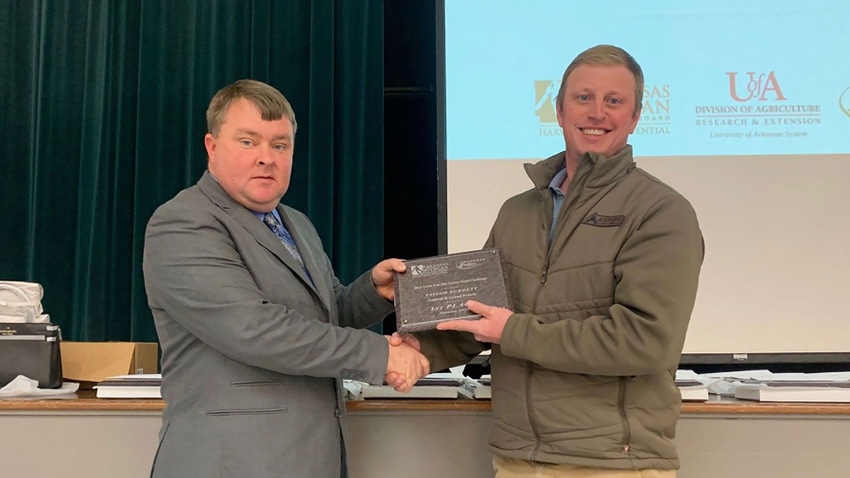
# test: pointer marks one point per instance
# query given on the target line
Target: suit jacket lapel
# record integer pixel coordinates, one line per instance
(308, 255)
(261, 233)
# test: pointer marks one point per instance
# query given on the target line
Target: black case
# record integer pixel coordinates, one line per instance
(31, 350)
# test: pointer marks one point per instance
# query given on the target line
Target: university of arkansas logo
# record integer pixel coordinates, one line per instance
(754, 86)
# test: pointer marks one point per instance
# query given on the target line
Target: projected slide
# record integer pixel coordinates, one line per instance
(722, 77)
(746, 112)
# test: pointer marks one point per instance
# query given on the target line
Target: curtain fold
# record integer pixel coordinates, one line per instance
(359, 104)
(105, 117)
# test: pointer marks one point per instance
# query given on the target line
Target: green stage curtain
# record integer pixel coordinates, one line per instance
(104, 115)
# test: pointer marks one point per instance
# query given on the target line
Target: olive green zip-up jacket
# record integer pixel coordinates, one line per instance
(584, 373)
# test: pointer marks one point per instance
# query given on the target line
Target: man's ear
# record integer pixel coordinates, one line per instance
(635, 121)
(209, 144)
(559, 114)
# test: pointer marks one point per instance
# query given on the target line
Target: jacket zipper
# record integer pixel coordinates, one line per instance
(529, 370)
(530, 410)
(621, 406)
(544, 274)
(569, 204)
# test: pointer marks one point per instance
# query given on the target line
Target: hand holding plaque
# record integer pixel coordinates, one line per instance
(436, 289)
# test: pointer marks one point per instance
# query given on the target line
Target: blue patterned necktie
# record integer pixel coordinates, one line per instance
(285, 237)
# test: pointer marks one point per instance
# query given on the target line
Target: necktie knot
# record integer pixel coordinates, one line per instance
(272, 222)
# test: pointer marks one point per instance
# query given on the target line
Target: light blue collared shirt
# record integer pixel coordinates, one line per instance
(276, 215)
(557, 198)
(261, 214)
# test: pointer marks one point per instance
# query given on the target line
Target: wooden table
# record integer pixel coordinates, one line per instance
(91, 437)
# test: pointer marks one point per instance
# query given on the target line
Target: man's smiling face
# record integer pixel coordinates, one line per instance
(597, 113)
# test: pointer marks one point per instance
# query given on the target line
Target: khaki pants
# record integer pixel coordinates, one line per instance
(512, 468)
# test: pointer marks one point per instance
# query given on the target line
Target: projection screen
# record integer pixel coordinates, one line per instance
(746, 112)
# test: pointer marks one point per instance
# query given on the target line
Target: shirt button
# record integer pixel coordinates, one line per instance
(337, 413)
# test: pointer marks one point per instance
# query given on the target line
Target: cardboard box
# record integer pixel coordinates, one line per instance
(91, 362)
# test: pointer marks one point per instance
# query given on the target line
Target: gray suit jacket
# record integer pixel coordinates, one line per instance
(252, 352)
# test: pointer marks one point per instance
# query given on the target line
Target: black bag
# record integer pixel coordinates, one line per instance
(31, 350)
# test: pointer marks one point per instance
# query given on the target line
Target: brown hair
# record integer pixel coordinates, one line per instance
(271, 103)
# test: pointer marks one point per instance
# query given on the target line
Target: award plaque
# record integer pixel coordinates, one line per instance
(435, 289)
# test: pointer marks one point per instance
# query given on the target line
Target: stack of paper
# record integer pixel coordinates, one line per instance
(130, 386)
(692, 390)
(692, 386)
(794, 391)
(726, 382)
(766, 386)
(435, 385)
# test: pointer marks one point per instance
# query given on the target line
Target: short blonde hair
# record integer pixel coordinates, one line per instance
(606, 55)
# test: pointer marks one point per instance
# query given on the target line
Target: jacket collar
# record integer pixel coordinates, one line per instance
(213, 190)
(216, 193)
(599, 170)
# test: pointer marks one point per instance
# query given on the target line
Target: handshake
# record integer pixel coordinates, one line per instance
(406, 364)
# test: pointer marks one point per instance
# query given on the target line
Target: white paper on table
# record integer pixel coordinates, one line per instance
(23, 386)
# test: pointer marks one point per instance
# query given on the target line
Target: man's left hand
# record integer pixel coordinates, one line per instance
(382, 277)
(488, 328)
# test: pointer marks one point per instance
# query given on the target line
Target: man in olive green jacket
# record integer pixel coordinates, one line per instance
(603, 262)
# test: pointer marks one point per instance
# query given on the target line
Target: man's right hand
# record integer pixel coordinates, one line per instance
(405, 366)
(397, 339)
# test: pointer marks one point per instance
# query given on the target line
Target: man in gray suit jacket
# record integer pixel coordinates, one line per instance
(256, 331)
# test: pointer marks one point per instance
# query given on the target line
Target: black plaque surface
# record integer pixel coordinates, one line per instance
(435, 289)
